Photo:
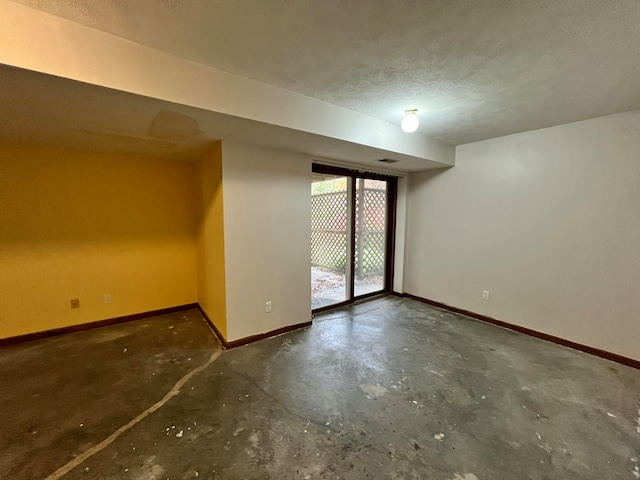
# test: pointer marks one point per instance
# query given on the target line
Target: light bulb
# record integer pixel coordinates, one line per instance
(410, 121)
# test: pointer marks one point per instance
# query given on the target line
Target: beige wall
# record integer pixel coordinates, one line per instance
(267, 211)
(210, 239)
(79, 225)
(401, 230)
(548, 221)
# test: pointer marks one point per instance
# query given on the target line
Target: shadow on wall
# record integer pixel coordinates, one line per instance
(421, 179)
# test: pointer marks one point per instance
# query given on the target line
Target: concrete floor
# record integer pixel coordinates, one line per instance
(389, 389)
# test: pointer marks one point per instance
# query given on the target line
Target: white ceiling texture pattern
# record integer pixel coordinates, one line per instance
(474, 69)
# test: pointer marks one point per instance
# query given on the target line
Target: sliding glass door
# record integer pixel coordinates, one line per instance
(330, 245)
(351, 235)
(370, 236)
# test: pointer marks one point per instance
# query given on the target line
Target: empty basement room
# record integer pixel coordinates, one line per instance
(320, 240)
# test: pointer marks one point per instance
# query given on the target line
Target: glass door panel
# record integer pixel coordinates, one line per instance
(330, 232)
(370, 236)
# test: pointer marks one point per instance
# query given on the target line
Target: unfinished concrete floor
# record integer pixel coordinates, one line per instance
(387, 389)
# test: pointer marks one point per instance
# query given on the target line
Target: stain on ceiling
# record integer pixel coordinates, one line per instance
(475, 70)
(40, 110)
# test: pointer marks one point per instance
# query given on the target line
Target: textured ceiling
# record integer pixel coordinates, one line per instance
(474, 69)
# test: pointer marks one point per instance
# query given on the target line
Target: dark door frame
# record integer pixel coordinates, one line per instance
(392, 197)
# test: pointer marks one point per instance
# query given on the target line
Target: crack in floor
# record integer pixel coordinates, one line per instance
(111, 438)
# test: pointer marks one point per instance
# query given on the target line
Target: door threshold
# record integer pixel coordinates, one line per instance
(350, 303)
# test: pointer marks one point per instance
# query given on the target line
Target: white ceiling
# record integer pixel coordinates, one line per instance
(40, 110)
(474, 69)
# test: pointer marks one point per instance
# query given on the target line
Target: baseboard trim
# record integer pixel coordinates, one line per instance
(139, 316)
(91, 325)
(273, 333)
(534, 333)
(212, 326)
(253, 338)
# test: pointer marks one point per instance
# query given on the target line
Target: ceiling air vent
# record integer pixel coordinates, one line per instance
(388, 160)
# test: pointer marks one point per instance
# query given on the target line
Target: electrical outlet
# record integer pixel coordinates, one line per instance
(485, 294)
(267, 307)
(75, 303)
(107, 298)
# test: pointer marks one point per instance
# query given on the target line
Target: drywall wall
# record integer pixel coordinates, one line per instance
(547, 221)
(267, 211)
(77, 225)
(210, 239)
(401, 229)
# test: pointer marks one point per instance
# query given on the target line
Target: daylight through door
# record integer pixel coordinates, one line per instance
(350, 235)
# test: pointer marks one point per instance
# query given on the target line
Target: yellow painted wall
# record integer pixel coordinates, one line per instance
(80, 225)
(210, 240)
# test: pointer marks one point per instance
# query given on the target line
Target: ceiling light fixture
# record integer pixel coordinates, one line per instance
(410, 121)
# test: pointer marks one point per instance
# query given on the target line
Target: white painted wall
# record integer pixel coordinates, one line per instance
(548, 221)
(267, 212)
(401, 228)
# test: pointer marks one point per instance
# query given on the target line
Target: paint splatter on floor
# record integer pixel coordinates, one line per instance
(373, 390)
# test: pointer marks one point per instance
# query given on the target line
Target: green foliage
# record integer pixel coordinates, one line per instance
(329, 186)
